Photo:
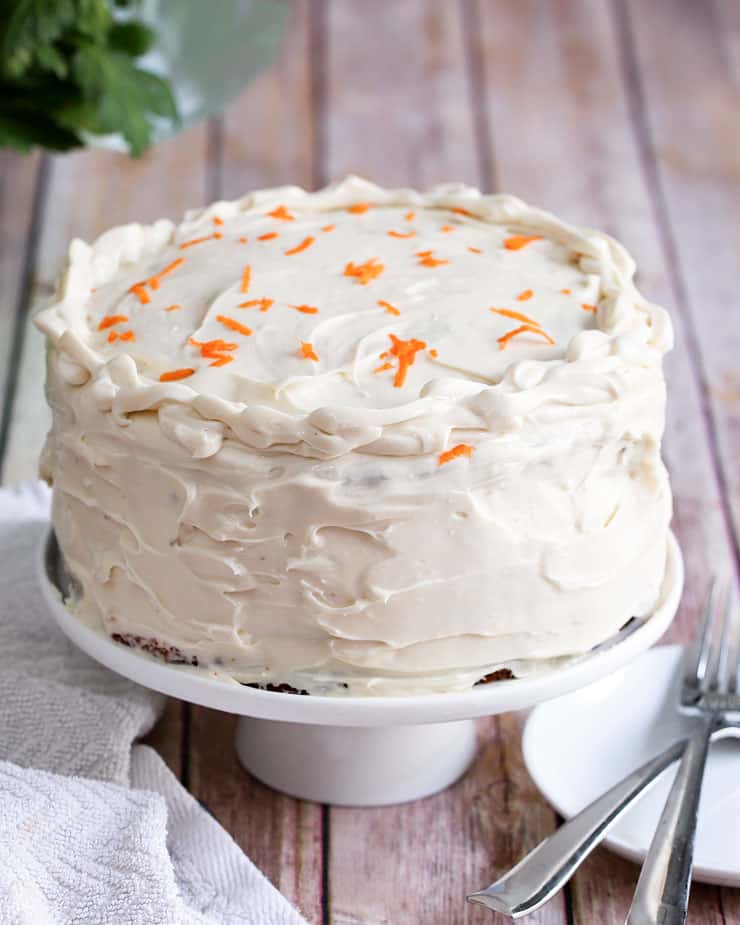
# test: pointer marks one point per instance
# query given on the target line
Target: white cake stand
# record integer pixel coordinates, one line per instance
(360, 751)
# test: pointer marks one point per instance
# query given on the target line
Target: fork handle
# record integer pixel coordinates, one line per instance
(542, 872)
(662, 893)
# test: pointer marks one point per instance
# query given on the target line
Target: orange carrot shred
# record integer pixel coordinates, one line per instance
(209, 237)
(306, 242)
(474, 250)
(281, 213)
(155, 280)
(307, 351)
(524, 295)
(410, 216)
(462, 449)
(246, 278)
(517, 316)
(216, 220)
(518, 241)
(391, 309)
(447, 228)
(174, 374)
(139, 290)
(244, 240)
(400, 234)
(222, 361)
(268, 236)
(405, 352)
(262, 304)
(358, 208)
(364, 272)
(306, 309)
(382, 368)
(458, 210)
(423, 254)
(112, 337)
(589, 308)
(433, 353)
(233, 325)
(127, 335)
(111, 320)
(505, 338)
(432, 262)
(328, 228)
(565, 291)
(173, 308)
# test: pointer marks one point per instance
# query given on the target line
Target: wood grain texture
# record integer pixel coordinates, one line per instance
(266, 138)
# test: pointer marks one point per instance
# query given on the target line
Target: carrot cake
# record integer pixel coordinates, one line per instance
(358, 441)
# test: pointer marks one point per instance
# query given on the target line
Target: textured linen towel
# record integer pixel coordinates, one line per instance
(95, 829)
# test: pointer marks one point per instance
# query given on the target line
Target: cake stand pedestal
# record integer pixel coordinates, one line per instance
(360, 751)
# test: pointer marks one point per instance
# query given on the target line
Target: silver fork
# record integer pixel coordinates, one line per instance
(546, 869)
(709, 693)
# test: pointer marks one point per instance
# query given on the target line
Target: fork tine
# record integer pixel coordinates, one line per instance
(732, 657)
(696, 670)
(720, 678)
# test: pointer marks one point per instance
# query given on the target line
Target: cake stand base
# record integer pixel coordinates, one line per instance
(355, 765)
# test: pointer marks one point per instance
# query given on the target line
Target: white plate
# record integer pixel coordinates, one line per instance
(361, 750)
(577, 746)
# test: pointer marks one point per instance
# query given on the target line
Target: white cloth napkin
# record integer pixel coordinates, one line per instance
(95, 829)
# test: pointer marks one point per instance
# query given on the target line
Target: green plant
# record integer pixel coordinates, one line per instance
(68, 71)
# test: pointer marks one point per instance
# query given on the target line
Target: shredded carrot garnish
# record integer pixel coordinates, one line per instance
(565, 291)
(433, 353)
(462, 449)
(262, 304)
(281, 213)
(458, 210)
(306, 309)
(358, 208)
(524, 295)
(209, 237)
(409, 216)
(233, 325)
(391, 309)
(423, 253)
(328, 227)
(306, 242)
(432, 262)
(111, 320)
(517, 316)
(140, 291)
(383, 355)
(382, 368)
(532, 329)
(307, 352)
(589, 308)
(400, 234)
(174, 374)
(268, 236)
(173, 308)
(155, 280)
(364, 272)
(216, 220)
(246, 278)
(244, 240)
(405, 352)
(474, 250)
(112, 337)
(518, 241)
(127, 335)
(447, 228)
(214, 350)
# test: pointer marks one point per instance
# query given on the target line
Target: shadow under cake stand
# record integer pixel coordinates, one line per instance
(360, 751)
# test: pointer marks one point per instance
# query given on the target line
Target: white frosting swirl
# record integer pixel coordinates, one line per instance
(282, 510)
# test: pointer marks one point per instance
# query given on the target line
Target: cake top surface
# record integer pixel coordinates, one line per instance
(387, 304)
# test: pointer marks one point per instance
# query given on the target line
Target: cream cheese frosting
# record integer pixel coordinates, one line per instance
(364, 440)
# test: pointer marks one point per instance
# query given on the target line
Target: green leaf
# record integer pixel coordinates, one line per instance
(132, 38)
(24, 131)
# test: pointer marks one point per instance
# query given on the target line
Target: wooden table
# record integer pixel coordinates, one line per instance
(622, 115)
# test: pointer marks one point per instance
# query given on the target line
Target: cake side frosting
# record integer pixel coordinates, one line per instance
(359, 522)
